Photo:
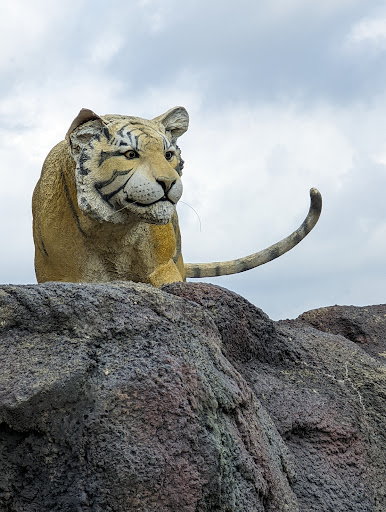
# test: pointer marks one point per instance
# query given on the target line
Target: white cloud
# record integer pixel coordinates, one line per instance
(27, 27)
(157, 14)
(368, 31)
(248, 171)
(259, 163)
(250, 161)
(281, 151)
(280, 9)
(106, 46)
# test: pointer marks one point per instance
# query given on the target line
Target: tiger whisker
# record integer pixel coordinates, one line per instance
(136, 202)
(124, 208)
(199, 220)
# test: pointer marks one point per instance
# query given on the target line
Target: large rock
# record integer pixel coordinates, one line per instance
(324, 392)
(127, 398)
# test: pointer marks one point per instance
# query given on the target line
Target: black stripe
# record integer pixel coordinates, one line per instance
(298, 238)
(196, 272)
(243, 266)
(136, 140)
(116, 173)
(177, 234)
(107, 197)
(130, 139)
(180, 162)
(83, 171)
(41, 238)
(106, 133)
(105, 155)
(70, 204)
(43, 246)
(120, 131)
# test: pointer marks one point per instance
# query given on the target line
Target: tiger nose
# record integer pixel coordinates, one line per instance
(165, 182)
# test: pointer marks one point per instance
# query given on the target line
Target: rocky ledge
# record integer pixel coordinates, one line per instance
(127, 398)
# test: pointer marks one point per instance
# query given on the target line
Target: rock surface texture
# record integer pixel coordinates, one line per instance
(127, 398)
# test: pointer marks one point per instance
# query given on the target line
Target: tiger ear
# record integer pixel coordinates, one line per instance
(175, 121)
(79, 135)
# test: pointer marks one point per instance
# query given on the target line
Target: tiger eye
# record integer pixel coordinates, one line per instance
(169, 155)
(131, 154)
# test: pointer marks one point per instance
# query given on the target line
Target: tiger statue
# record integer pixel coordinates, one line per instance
(104, 208)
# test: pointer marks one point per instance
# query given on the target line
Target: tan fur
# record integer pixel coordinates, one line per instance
(101, 214)
(76, 246)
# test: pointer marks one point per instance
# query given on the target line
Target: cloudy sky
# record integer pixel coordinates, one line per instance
(282, 95)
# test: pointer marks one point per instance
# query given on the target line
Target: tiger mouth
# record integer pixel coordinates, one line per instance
(143, 205)
(157, 212)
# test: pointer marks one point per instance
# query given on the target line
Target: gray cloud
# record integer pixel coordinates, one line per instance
(248, 52)
(282, 97)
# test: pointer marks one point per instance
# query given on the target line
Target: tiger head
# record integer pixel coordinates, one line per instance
(128, 167)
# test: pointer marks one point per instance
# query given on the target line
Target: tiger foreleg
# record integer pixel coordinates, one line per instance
(164, 274)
